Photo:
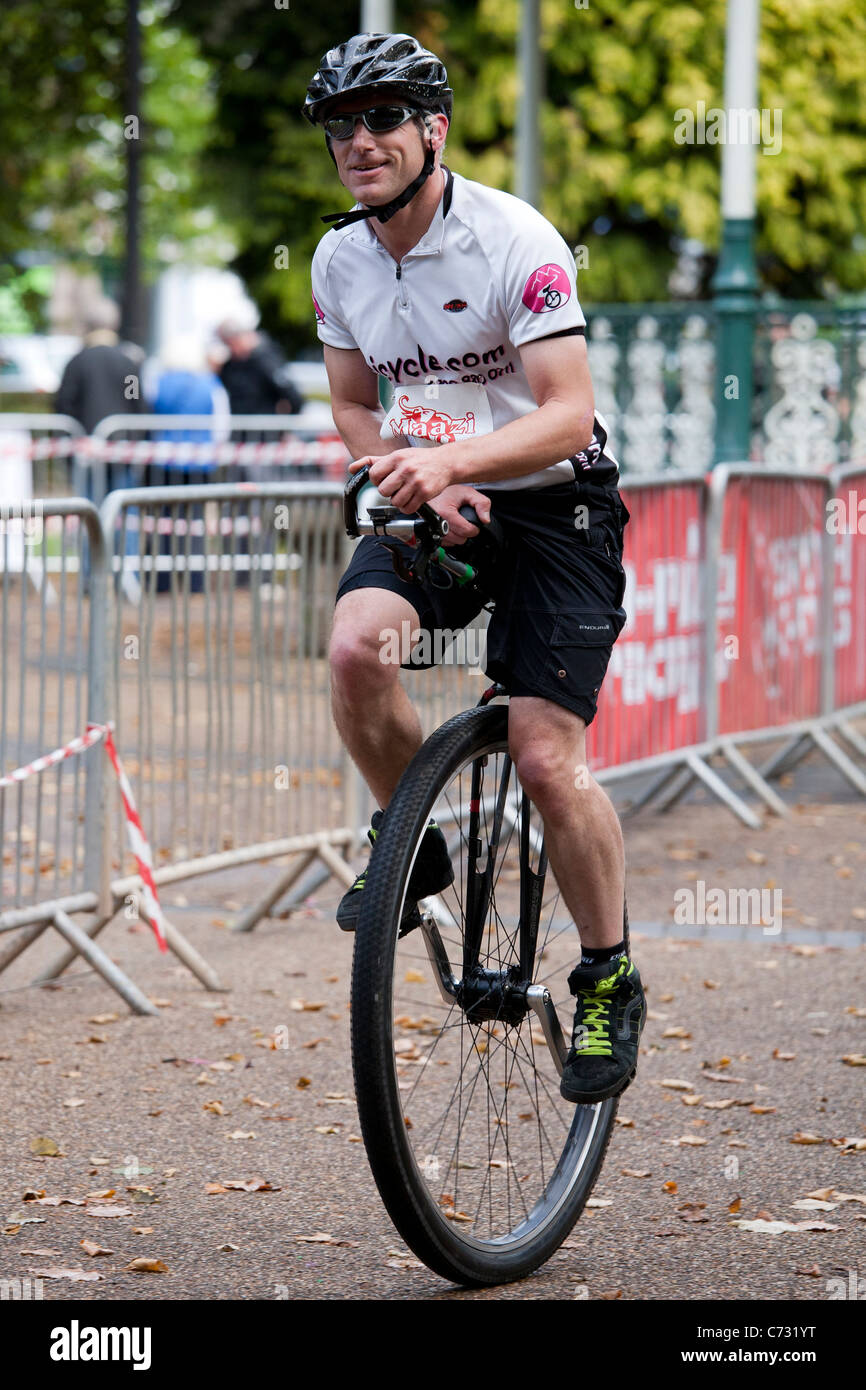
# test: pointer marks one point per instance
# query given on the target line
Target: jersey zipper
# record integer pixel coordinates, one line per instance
(401, 289)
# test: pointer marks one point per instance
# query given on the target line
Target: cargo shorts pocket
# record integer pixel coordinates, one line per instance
(581, 642)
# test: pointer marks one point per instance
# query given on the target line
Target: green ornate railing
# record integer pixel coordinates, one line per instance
(653, 368)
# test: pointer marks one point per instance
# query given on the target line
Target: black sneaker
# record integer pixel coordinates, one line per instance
(608, 1022)
(431, 873)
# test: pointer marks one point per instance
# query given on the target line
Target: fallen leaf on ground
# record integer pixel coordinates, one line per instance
(240, 1134)
(802, 1137)
(813, 1271)
(142, 1230)
(103, 1018)
(108, 1209)
(718, 1104)
(676, 1032)
(620, 1120)
(303, 1082)
(414, 977)
(72, 1104)
(762, 1109)
(669, 1186)
(722, 1076)
(78, 1276)
(847, 1196)
(784, 1056)
(674, 1085)
(599, 1202)
(147, 1266)
(636, 1172)
(254, 1100)
(45, 1147)
(323, 1238)
(404, 1263)
(814, 1204)
(775, 1228)
(215, 1107)
(91, 1247)
(228, 1246)
(711, 984)
(690, 1139)
(300, 1006)
(735, 1204)
(692, 1211)
(854, 1059)
(248, 1185)
(691, 1100)
(611, 1295)
(41, 1253)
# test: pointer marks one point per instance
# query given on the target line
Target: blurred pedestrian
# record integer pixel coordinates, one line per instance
(255, 374)
(188, 385)
(102, 379)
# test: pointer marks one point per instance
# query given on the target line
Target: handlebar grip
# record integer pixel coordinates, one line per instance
(468, 513)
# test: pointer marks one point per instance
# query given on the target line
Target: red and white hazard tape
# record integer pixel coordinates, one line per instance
(185, 452)
(137, 838)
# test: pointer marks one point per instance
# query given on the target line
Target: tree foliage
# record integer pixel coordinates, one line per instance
(62, 113)
(230, 76)
(614, 178)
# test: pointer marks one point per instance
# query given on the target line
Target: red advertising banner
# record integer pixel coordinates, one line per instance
(768, 635)
(651, 699)
(846, 522)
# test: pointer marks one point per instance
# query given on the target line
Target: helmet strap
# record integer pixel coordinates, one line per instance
(387, 210)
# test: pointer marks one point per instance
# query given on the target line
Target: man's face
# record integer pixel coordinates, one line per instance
(375, 168)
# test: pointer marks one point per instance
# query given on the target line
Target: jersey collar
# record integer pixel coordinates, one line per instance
(431, 242)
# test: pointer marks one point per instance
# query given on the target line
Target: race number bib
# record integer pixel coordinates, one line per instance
(460, 411)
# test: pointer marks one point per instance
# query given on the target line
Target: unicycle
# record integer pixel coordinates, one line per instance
(461, 1024)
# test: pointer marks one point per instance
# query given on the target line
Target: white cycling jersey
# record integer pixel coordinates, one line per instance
(445, 324)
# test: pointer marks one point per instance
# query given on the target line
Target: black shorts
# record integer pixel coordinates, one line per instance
(558, 591)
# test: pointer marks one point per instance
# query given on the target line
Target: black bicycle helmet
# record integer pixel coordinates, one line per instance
(382, 64)
(393, 64)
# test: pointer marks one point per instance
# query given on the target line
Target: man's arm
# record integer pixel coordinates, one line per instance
(558, 373)
(355, 405)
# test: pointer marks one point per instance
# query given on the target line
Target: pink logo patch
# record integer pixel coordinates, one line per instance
(547, 288)
(320, 317)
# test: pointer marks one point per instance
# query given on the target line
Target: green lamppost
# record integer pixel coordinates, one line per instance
(735, 282)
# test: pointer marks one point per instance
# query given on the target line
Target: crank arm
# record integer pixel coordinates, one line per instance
(539, 1000)
(438, 955)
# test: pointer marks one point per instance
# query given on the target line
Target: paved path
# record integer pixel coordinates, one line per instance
(145, 1084)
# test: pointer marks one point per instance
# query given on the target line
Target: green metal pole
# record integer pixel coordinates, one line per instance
(735, 283)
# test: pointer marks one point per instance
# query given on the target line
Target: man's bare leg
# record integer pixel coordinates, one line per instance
(375, 717)
(581, 828)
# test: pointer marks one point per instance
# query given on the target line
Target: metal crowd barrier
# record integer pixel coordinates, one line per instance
(36, 453)
(127, 451)
(212, 609)
(53, 822)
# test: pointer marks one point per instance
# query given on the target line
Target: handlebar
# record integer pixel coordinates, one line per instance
(427, 529)
(388, 520)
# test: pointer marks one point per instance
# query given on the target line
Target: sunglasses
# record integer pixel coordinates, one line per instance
(377, 120)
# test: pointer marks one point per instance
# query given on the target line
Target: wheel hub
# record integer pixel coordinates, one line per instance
(488, 996)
